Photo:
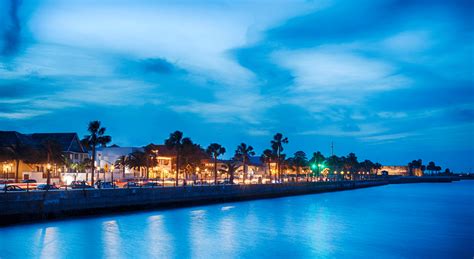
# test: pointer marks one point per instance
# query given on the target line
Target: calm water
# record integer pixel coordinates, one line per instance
(412, 220)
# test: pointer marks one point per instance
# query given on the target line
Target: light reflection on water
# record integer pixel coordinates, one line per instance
(48, 242)
(413, 220)
(111, 236)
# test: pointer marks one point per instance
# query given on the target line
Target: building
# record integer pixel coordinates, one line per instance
(394, 170)
(106, 158)
(31, 164)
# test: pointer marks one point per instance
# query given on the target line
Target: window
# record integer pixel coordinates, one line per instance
(76, 156)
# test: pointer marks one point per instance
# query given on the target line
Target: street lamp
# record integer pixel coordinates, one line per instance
(112, 176)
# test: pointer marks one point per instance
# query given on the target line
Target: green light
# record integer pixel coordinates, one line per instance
(313, 166)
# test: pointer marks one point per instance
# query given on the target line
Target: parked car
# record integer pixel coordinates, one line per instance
(130, 185)
(29, 181)
(104, 185)
(226, 181)
(10, 188)
(80, 185)
(45, 187)
(151, 184)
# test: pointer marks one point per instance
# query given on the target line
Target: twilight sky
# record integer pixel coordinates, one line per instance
(389, 80)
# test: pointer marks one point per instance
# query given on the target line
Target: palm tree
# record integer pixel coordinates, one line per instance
(151, 151)
(17, 152)
(95, 138)
(231, 167)
(122, 162)
(335, 163)
(366, 166)
(243, 154)
(53, 155)
(377, 167)
(416, 165)
(175, 141)
(191, 156)
(299, 161)
(431, 167)
(84, 166)
(137, 159)
(351, 164)
(266, 158)
(215, 150)
(277, 147)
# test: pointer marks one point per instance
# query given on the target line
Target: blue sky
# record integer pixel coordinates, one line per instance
(389, 80)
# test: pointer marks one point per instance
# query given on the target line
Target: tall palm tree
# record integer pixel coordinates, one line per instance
(277, 147)
(266, 158)
(215, 150)
(175, 141)
(95, 138)
(243, 154)
(122, 162)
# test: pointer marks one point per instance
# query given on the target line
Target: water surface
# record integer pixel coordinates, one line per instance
(411, 220)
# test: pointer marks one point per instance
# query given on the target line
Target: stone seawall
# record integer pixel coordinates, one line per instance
(26, 206)
(425, 179)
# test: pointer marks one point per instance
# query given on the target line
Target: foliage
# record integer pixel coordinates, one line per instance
(95, 138)
(215, 150)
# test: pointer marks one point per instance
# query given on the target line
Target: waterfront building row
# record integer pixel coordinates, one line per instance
(77, 165)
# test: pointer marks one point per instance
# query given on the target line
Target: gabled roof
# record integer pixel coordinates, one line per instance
(69, 142)
(9, 138)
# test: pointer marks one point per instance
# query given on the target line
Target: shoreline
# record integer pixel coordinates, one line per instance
(26, 207)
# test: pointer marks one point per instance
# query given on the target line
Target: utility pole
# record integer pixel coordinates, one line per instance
(332, 148)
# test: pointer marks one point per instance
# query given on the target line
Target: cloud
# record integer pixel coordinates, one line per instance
(195, 37)
(362, 130)
(10, 28)
(387, 137)
(258, 132)
(334, 68)
(231, 107)
(22, 114)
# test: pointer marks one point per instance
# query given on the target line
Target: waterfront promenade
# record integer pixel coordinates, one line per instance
(35, 205)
